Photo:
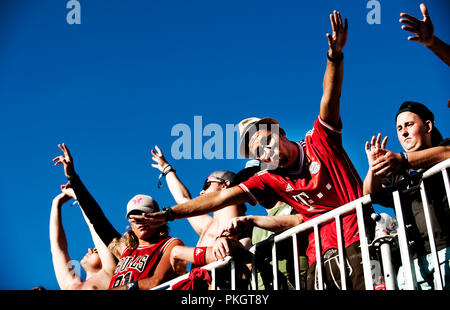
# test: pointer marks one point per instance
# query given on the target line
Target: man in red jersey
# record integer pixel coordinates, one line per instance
(313, 176)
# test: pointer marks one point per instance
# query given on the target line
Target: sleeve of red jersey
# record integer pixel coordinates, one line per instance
(255, 189)
(328, 134)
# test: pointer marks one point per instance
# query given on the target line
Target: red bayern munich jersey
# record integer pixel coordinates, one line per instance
(332, 181)
(139, 263)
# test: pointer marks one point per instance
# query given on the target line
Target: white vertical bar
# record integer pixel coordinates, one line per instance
(296, 261)
(254, 280)
(318, 257)
(388, 270)
(275, 266)
(364, 247)
(410, 277)
(213, 281)
(434, 256)
(341, 252)
(446, 183)
(233, 275)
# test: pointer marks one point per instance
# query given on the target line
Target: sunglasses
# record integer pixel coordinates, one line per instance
(207, 183)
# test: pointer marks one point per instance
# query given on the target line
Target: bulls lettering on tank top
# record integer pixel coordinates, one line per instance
(139, 263)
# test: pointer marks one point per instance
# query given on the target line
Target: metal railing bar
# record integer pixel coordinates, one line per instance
(410, 277)
(364, 247)
(341, 253)
(434, 256)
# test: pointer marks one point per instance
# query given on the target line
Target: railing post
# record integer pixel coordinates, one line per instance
(233, 274)
(318, 258)
(274, 266)
(446, 183)
(254, 280)
(388, 270)
(213, 278)
(296, 261)
(364, 247)
(341, 253)
(434, 256)
(410, 276)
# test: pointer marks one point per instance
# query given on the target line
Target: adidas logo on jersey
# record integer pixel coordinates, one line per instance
(289, 188)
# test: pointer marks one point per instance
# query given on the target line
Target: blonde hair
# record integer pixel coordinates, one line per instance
(131, 241)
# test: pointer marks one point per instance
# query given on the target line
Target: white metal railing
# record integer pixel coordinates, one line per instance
(358, 206)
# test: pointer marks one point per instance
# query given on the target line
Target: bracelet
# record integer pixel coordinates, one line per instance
(337, 59)
(165, 171)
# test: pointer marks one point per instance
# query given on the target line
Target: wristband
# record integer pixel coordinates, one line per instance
(404, 157)
(337, 59)
(169, 214)
(165, 171)
(132, 286)
(200, 256)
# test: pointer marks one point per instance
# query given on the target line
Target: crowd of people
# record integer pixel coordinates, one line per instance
(295, 181)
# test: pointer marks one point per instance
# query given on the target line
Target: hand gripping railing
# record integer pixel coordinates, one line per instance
(357, 206)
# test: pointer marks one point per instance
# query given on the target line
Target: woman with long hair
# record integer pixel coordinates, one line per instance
(143, 252)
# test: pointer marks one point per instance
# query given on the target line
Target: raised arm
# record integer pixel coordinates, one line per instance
(332, 81)
(201, 205)
(87, 203)
(108, 261)
(178, 190)
(65, 274)
(423, 31)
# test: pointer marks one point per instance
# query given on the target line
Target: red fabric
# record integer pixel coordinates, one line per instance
(198, 279)
(139, 263)
(332, 182)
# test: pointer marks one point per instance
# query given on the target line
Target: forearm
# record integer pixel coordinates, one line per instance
(93, 212)
(440, 49)
(58, 240)
(332, 85)
(372, 183)
(179, 192)
(65, 275)
(428, 157)
(276, 223)
(210, 202)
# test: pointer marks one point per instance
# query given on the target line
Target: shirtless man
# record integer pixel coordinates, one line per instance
(210, 247)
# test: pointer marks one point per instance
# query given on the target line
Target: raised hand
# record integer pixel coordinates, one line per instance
(67, 190)
(158, 157)
(65, 160)
(375, 149)
(338, 38)
(422, 29)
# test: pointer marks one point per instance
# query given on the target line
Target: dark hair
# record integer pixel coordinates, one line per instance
(425, 115)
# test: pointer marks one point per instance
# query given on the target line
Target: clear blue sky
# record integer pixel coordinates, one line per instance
(114, 86)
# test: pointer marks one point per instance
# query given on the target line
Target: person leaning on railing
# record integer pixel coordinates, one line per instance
(314, 176)
(423, 147)
(210, 246)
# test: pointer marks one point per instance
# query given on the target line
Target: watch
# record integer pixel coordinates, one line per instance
(169, 214)
(132, 286)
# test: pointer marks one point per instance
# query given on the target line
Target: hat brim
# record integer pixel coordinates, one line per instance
(242, 144)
